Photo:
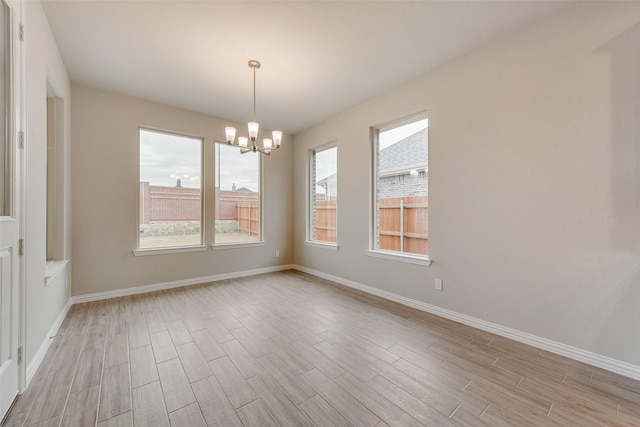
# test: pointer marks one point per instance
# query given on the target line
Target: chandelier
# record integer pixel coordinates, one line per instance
(249, 144)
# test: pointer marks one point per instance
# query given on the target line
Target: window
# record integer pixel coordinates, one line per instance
(400, 210)
(170, 190)
(238, 202)
(323, 194)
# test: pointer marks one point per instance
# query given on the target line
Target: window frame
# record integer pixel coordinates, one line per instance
(56, 259)
(251, 243)
(373, 250)
(138, 251)
(309, 241)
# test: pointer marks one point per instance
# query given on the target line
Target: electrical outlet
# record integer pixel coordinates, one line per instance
(438, 284)
(277, 253)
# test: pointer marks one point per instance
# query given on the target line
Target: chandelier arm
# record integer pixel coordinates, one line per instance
(219, 141)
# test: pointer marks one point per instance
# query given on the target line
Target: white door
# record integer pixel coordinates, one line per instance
(10, 167)
(9, 313)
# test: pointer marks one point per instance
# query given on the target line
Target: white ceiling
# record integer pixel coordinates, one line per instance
(318, 58)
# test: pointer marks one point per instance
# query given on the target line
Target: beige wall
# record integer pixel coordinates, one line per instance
(105, 223)
(43, 64)
(534, 182)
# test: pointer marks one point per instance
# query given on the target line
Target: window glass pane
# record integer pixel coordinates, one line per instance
(5, 109)
(401, 216)
(237, 195)
(324, 194)
(170, 190)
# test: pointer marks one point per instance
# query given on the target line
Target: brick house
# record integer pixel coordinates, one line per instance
(403, 167)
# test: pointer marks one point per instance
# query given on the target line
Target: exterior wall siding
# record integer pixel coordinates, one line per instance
(403, 185)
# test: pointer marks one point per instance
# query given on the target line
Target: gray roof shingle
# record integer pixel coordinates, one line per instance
(406, 154)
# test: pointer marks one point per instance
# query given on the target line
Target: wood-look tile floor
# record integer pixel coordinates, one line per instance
(290, 349)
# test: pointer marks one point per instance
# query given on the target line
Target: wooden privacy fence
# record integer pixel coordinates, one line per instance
(325, 221)
(403, 223)
(248, 215)
(227, 201)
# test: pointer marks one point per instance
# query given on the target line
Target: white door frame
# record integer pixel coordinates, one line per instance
(18, 202)
(20, 186)
(13, 223)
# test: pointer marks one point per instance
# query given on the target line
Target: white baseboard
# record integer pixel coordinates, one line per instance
(175, 284)
(32, 367)
(594, 359)
(604, 362)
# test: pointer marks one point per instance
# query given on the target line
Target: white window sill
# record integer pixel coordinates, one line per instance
(395, 256)
(162, 251)
(52, 269)
(237, 245)
(323, 245)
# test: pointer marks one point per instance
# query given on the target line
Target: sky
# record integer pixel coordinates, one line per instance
(391, 136)
(326, 165)
(164, 158)
(238, 168)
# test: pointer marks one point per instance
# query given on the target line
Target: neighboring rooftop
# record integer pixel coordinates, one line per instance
(406, 154)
